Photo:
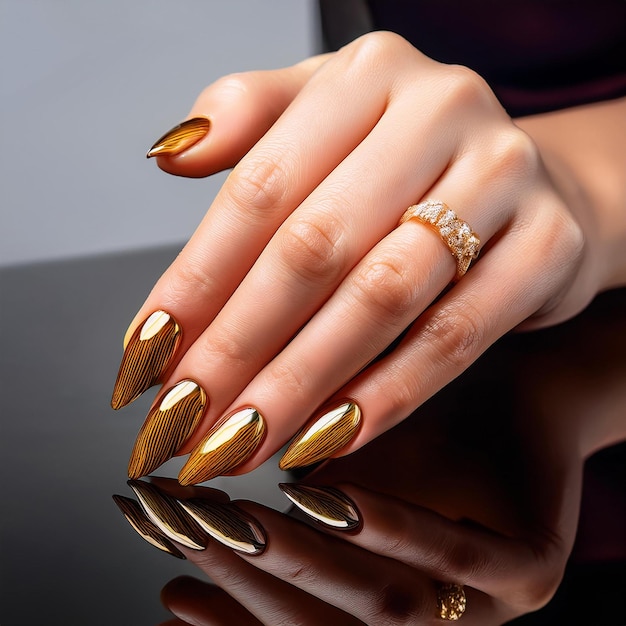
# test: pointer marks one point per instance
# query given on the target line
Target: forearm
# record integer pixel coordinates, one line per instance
(584, 150)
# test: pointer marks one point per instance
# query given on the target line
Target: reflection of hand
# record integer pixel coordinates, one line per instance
(299, 276)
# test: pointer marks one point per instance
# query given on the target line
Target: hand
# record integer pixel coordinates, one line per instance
(299, 276)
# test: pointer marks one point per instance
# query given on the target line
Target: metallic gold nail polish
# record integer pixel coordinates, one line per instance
(328, 433)
(326, 505)
(164, 512)
(145, 528)
(228, 444)
(227, 524)
(146, 356)
(181, 137)
(167, 427)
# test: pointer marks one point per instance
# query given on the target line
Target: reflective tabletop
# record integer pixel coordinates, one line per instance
(69, 557)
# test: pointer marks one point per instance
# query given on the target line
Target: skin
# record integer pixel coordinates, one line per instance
(487, 502)
(298, 275)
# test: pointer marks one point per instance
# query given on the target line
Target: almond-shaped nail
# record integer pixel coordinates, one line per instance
(228, 444)
(168, 426)
(326, 505)
(164, 512)
(145, 528)
(146, 356)
(327, 434)
(181, 137)
(227, 524)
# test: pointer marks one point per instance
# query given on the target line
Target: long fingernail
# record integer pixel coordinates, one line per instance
(145, 528)
(167, 427)
(146, 356)
(326, 505)
(228, 444)
(164, 512)
(328, 433)
(181, 137)
(227, 524)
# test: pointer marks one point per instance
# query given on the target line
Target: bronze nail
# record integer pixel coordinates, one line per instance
(145, 528)
(164, 512)
(228, 444)
(146, 356)
(326, 505)
(227, 524)
(181, 137)
(327, 434)
(168, 426)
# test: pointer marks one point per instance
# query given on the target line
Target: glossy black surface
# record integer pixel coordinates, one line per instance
(68, 556)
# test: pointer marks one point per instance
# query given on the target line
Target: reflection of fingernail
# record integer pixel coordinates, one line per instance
(146, 357)
(181, 137)
(326, 505)
(328, 433)
(168, 425)
(144, 527)
(227, 524)
(167, 516)
(228, 444)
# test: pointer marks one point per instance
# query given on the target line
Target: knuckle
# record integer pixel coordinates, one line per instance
(228, 349)
(464, 87)
(188, 277)
(515, 156)
(383, 287)
(375, 51)
(457, 335)
(258, 186)
(292, 379)
(311, 248)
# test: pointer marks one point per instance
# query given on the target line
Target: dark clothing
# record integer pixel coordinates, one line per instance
(537, 55)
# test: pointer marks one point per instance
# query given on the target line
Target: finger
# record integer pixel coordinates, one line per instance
(269, 599)
(442, 548)
(240, 108)
(373, 588)
(511, 281)
(203, 604)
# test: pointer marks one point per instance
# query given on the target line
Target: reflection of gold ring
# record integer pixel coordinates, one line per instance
(455, 233)
(451, 602)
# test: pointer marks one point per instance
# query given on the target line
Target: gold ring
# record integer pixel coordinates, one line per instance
(462, 241)
(451, 602)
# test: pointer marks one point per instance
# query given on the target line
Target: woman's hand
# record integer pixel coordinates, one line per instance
(299, 276)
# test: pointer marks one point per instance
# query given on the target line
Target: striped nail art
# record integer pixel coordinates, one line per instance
(228, 444)
(146, 357)
(145, 528)
(181, 137)
(168, 426)
(328, 433)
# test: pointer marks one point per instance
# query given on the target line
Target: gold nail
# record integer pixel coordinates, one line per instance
(181, 137)
(146, 356)
(145, 528)
(328, 433)
(326, 505)
(166, 515)
(167, 427)
(227, 524)
(228, 444)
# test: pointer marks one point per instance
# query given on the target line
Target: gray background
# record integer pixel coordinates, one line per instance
(88, 86)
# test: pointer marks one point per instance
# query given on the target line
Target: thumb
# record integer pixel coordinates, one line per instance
(240, 109)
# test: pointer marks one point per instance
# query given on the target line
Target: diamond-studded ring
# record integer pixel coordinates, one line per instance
(451, 602)
(461, 240)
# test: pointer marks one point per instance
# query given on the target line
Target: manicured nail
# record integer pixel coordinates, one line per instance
(145, 528)
(228, 444)
(326, 505)
(146, 356)
(164, 512)
(227, 524)
(328, 433)
(167, 427)
(181, 137)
